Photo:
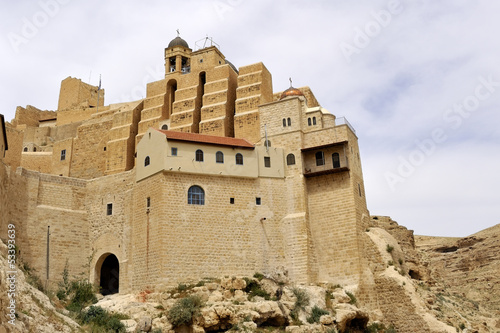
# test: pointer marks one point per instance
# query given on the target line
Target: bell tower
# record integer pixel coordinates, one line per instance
(177, 56)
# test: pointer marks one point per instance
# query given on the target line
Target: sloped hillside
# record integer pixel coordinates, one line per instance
(465, 274)
(23, 307)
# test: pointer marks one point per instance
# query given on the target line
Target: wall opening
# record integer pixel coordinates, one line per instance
(109, 275)
(171, 89)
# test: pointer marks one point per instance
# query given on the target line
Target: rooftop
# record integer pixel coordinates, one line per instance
(207, 139)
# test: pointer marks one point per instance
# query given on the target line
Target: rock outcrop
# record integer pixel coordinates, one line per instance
(24, 308)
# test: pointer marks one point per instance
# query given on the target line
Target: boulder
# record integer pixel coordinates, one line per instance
(145, 324)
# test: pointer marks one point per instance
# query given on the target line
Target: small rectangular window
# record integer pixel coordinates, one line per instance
(267, 161)
(148, 202)
(174, 151)
(109, 209)
(258, 201)
(63, 154)
(231, 201)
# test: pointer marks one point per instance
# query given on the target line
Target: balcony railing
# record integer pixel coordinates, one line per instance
(343, 121)
(326, 169)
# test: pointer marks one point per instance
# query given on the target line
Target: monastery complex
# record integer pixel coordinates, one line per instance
(212, 174)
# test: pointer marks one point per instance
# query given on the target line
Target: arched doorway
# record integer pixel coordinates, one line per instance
(109, 277)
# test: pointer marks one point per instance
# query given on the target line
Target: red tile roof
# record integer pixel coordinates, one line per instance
(207, 139)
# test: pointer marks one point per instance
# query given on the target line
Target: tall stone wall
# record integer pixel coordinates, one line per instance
(37, 201)
(89, 155)
(174, 241)
(74, 92)
(255, 88)
(111, 234)
(334, 228)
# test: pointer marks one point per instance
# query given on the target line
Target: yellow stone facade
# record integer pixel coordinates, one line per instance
(108, 182)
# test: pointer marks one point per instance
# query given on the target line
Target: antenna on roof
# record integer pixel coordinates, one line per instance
(207, 42)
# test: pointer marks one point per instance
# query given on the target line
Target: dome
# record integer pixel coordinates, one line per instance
(177, 41)
(291, 92)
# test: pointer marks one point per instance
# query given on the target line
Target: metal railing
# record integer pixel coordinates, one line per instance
(343, 121)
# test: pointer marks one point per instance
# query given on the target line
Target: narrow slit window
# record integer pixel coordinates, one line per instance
(267, 161)
(109, 209)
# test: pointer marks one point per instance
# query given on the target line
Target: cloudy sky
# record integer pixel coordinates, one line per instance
(419, 80)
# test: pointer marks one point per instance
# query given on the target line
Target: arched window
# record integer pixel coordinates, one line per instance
(267, 143)
(25, 149)
(199, 155)
(309, 121)
(290, 159)
(336, 160)
(289, 122)
(314, 120)
(284, 122)
(239, 159)
(34, 148)
(320, 158)
(196, 195)
(147, 161)
(164, 127)
(219, 157)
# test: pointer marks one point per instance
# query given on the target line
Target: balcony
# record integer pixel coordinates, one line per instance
(325, 159)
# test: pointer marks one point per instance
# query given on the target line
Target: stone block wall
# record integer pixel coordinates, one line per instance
(174, 241)
(120, 148)
(111, 234)
(254, 89)
(74, 92)
(89, 155)
(334, 228)
(37, 161)
(38, 201)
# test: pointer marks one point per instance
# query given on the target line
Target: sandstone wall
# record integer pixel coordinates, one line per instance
(175, 242)
(75, 92)
(89, 158)
(111, 234)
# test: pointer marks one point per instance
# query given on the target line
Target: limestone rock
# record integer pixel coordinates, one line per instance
(349, 316)
(130, 325)
(145, 324)
(269, 313)
(326, 320)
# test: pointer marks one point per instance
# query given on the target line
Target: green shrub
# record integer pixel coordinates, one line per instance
(253, 289)
(316, 313)
(375, 328)
(302, 298)
(184, 310)
(389, 248)
(258, 276)
(391, 329)
(101, 320)
(353, 299)
(82, 294)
